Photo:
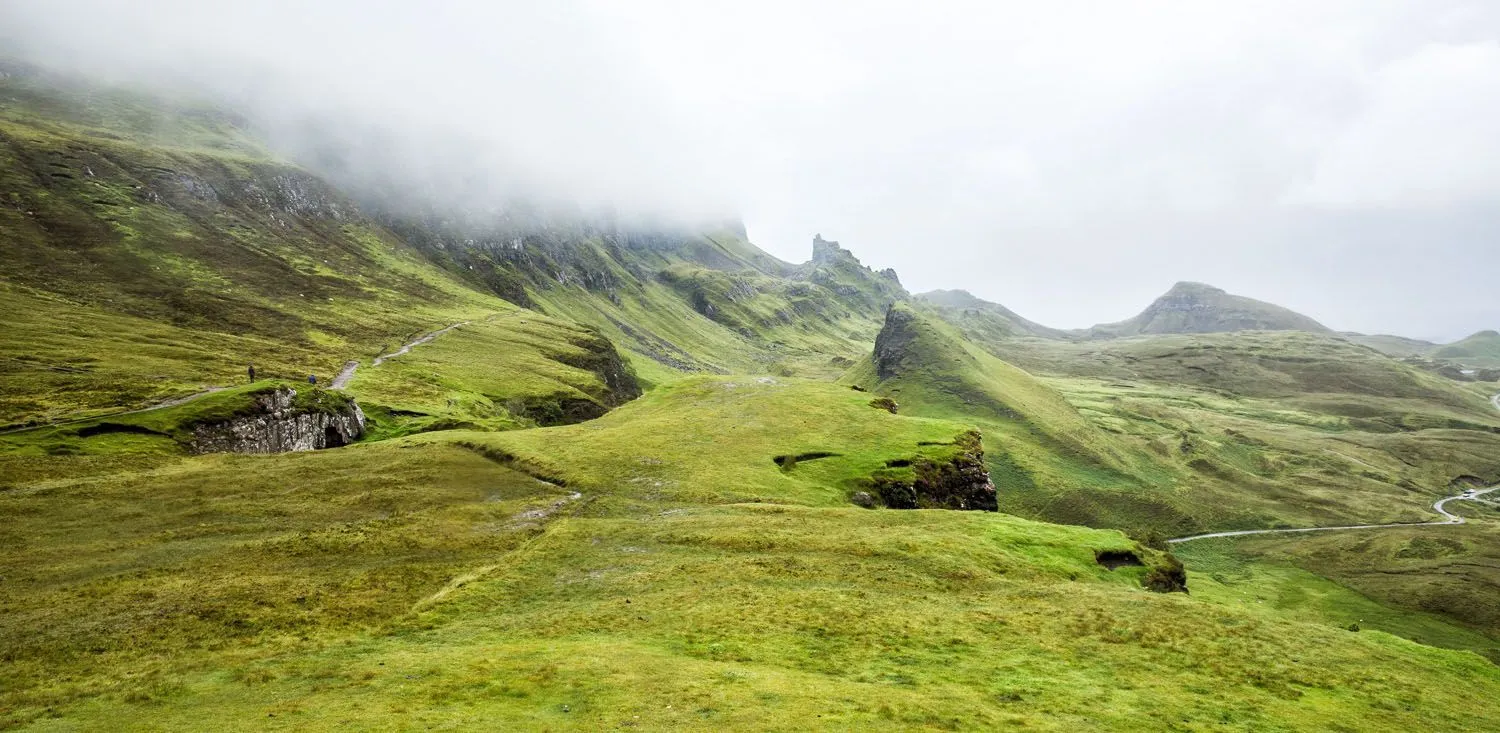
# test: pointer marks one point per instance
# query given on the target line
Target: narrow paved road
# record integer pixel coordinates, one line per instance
(1449, 518)
(339, 382)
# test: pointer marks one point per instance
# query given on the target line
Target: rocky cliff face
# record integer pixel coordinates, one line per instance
(893, 341)
(281, 423)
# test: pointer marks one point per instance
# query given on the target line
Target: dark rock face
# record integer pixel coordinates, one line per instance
(1167, 577)
(960, 482)
(892, 342)
(278, 425)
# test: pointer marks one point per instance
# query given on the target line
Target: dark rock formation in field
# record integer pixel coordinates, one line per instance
(958, 481)
(280, 422)
(1167, 576)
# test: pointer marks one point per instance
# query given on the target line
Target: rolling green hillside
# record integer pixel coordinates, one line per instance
(614, 474)
(432, 581)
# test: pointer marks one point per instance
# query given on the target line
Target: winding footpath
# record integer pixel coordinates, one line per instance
(347, 373)
(339, 382)
(1438, 506)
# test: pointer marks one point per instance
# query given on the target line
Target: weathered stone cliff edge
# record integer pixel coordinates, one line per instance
(280, 423)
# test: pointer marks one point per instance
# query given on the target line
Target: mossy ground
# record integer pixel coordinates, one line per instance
(427, 581)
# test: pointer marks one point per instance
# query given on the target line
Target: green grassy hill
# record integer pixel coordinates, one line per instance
(1480, 350)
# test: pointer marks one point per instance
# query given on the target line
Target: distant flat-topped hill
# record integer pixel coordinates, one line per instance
(1197, 308)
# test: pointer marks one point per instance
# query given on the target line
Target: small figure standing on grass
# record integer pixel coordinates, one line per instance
(252, 373)
(312, 379)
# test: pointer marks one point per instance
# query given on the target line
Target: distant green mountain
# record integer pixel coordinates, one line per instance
(1397, 346)
(1197, 308)
(985, 320)
(1482, 350)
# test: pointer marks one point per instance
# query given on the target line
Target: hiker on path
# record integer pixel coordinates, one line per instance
(252, 373)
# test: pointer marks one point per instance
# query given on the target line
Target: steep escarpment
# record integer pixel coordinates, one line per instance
(283, 420)
(1197, 308)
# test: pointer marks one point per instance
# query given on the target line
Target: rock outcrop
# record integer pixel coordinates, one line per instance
(958, 481)
(280, 422)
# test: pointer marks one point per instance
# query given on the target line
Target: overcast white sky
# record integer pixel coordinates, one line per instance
(1068, 159)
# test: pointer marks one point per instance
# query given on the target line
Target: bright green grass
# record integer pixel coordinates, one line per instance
(775, 617)
(400, 584)
(714, 439)
(1451, 571)
(1224, 572)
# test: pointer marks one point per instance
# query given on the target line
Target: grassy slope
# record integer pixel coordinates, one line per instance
(1453, 572)
(1039, 447)
(717, 304)
(152, 250)
(498, 372)
(1244, 430)
(400, 584)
